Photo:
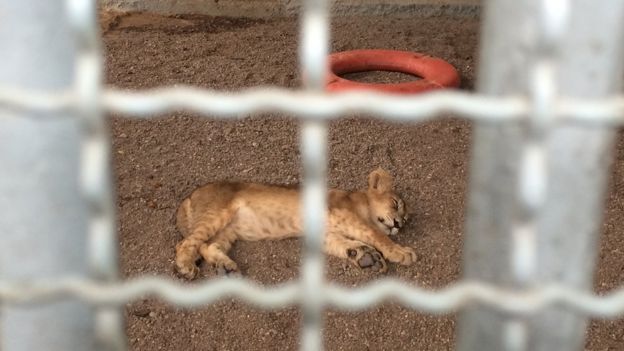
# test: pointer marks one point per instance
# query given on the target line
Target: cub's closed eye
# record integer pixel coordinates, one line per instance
(395, 203)
(380, 219)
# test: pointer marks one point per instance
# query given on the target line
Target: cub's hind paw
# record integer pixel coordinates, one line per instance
(365, 257)
(229, 269)
(188, 271)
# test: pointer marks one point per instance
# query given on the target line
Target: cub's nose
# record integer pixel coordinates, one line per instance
(397, 224)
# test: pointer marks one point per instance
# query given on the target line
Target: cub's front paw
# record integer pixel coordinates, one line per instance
(402, 254)
(187, 270)
(365, 257)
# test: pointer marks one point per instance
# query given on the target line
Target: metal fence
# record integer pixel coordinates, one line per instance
(546, 104)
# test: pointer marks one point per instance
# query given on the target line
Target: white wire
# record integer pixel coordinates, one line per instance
(446, 300)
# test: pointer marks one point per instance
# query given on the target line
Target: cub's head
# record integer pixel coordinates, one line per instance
(387, 209)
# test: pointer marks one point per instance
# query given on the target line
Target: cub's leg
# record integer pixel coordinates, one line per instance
(216, 251)
(187, 251)
(184, 217)
(349, 225)
(358, 253)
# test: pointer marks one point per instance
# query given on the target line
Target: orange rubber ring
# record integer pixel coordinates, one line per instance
(435, 73)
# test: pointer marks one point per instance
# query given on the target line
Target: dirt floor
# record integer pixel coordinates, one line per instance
(158, 162)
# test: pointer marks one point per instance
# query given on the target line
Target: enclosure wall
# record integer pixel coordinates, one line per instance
(276, 8)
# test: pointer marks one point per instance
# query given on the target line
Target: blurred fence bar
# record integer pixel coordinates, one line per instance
(43, 221)
(313, 49)
(545, 50)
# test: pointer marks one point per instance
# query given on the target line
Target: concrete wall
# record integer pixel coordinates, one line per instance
(272, 8)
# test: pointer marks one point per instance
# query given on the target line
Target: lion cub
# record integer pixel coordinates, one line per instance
(216, 215)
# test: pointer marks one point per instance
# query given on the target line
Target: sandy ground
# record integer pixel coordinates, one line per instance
(158, 162)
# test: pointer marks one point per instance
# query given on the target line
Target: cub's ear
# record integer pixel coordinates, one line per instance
(380, 181)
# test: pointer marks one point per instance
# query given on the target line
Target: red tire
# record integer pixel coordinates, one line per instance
(435, 73)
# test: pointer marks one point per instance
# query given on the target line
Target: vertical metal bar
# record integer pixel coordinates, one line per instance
(533, 175)
(563, 233)
(313, 53)
(95, 168)
(42, 213)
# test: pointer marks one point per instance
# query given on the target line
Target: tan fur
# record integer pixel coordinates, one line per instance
(216, 215)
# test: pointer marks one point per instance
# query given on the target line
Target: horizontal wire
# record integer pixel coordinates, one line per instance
(459, 295)
(36, 101)
(313, 105)
(446, 300)
(120, 293)
(218, 104)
